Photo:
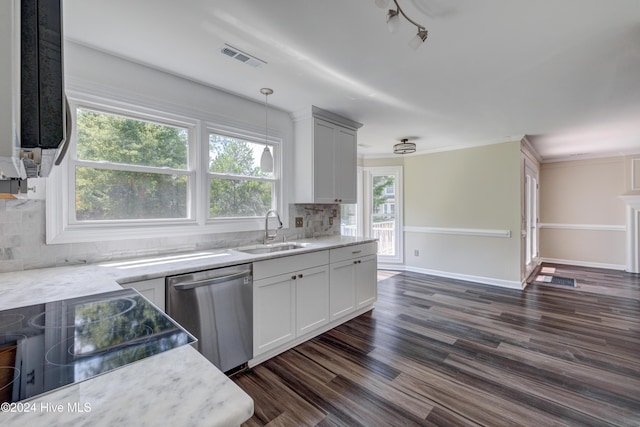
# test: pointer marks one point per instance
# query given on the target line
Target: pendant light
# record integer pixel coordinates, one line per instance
(266, 161)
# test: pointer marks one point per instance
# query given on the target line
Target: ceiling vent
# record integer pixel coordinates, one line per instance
(241, 56)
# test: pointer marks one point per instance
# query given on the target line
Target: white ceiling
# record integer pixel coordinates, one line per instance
(564, 72)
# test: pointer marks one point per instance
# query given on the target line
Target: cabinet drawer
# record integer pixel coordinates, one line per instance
(282, 265)
(355, 251)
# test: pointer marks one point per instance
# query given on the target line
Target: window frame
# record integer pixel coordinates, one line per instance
(60, 185)
(249, 136)
(189, 172)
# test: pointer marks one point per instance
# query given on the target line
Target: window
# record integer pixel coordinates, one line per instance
(135, 172)
(237, 186)
(127, 168)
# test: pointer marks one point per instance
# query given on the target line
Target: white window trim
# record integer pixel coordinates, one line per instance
(59, 228)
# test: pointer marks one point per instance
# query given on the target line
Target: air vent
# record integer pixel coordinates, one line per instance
(241, 56)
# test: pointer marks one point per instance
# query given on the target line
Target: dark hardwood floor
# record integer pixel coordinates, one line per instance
(437, 351)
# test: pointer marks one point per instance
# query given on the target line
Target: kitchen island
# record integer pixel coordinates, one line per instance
(176, 387)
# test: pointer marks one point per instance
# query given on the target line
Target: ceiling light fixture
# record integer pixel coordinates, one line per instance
(266, 161)
(393, 22)
(404, 147)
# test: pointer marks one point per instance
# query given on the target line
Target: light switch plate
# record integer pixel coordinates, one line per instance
(330, 220)
(334, 213)
(299, 222)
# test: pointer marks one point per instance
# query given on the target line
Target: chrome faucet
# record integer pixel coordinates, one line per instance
(268, 237)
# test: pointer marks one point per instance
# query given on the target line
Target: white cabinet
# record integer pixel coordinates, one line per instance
(290, 298)
(273, 312)
(151, 289)
(312, 299)
(342, 288)
(300, 296)
(366, 280)
(353, 279)
(325, 158)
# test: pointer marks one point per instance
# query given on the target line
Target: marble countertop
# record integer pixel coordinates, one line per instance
(19, 288)
(177, 387)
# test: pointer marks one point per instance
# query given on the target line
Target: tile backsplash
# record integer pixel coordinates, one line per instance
(318, 219)
(22, 237)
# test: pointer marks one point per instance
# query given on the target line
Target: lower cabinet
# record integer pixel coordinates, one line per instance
(312, 299)
(274, 315)
(366, 280)
(353, 281)
(151, 289)
(298, 296)
(342, 289)
(290, 303)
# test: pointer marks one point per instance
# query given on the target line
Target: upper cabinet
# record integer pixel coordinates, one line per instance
(325, 158)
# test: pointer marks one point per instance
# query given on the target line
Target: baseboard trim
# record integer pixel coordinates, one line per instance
(578, 263)
(511, 284)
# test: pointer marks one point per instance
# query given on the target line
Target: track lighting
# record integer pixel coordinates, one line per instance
(393, 22)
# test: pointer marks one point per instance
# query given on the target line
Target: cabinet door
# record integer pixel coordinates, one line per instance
(342, 292)
(366, 280)
(273, 312)
(312, 299)
(323, 161)
(152, 289)
(345, 165)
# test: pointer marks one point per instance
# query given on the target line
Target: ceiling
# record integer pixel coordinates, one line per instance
(564, 72)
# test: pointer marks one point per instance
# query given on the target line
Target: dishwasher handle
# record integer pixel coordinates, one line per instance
(212, 281)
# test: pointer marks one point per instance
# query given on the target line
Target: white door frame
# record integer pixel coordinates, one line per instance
(531, 255)
(368, 173)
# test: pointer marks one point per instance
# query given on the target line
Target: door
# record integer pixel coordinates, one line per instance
(323, 161)
(273, 312)
(383, 204)
(366, 281)
(312, 299)
(530, 217)
(342, 292)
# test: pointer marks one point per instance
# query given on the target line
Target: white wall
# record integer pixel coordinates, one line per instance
(22, 222)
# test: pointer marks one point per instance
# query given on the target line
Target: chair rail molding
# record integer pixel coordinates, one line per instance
(588, 227)
(459, 231)
(633, 230)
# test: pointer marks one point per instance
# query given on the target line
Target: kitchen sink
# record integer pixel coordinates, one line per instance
(269, 248)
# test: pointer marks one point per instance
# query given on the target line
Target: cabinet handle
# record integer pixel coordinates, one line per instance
(299, 276)
(355, 252)
(335, 200)
(293, 277)
(355, 262)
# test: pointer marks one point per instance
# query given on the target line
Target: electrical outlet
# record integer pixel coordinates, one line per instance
(299, 222)
(330, 220)
(416, 252)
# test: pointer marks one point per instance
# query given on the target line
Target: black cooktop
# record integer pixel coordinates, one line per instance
(47, 346)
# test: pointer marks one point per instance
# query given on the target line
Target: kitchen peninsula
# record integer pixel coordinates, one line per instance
(197, 392)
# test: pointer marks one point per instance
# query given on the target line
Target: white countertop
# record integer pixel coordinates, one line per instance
(177, 387)
(20, 288)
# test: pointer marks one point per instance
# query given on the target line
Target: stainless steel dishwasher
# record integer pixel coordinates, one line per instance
(216, 306)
